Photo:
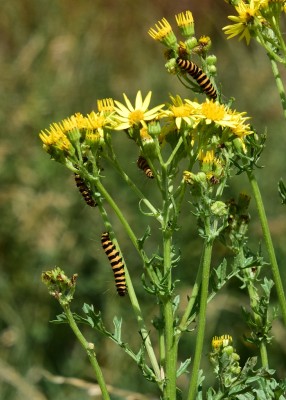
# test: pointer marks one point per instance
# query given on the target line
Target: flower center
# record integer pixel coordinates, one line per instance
(180, 111)
(213, 111)
(136, 116)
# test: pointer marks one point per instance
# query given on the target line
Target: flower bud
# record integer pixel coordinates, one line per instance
(219, 208)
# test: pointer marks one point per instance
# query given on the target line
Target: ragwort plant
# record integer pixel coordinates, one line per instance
(191, 150)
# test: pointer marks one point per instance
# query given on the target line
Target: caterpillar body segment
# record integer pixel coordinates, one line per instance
(116, 262)
(84, 190)
(144, 166)
(198, 74)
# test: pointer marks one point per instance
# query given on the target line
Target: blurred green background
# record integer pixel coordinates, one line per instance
(58, 58)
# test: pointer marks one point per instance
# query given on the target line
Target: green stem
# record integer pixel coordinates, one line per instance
(88, 347)
(263, 355)
(132, 295)
(202, 316)
(185, 318)
(140, 195)
(279, 84)
(170, 343)
(254, 300)
(269, 244)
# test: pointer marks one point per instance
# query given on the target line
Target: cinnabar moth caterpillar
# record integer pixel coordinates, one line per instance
(84, 190)
(143, 164)
(198, 74)
(116, 263)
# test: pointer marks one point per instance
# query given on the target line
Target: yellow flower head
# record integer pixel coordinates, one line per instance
(210, 111)
(181, 111)
(185, 22)
(163, 33)
(54, 138)
(248, 13)
(105, 105)
(129, 116)
(95, 121)
(222, 341)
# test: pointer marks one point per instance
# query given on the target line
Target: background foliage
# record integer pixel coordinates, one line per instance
(58, 58)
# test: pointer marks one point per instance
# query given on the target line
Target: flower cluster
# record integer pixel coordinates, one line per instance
(225, 360)
(207, 125)
(254, 18)
(203, 131)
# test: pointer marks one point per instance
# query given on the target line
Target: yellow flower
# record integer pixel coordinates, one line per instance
(272, 7)
(247, 15)
(163, 33)
(210, 111)
(181, 111)
(206, 156)
(221, 341)
(95, 121)
(75, 121)
(131, 116)
(105, 106)
(55, 138)
(185, 22)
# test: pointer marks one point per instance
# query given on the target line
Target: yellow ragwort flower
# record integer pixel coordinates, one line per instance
(95, 121)
(244, 21)
(55, 137)
(210, 111)
(221, 341)
(180, 111)
(74, 121)
(131, 116)
(163, 33)
(105, 105)
(185, 22)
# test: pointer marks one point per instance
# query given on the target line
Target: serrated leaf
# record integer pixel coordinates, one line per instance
(141, 240)
(183, 367)
(117, 322)
(61, 319)
(282, 191)
(175, 303)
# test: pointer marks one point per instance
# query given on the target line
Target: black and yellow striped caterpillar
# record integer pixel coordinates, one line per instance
(143, 164)
(84, 190)
(198, 74)
(116, 262)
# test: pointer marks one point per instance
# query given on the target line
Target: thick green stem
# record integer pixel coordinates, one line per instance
(88, 347)
(269, 244)
(202, 319)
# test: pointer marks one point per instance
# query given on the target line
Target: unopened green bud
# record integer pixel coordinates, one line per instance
(73, 135)
(235, 370)
(171, 66)
(191, 44)
(212, 70)
(228, 350)
(211, 59)
(59, 285)
(235, 357)
(154, 128)
(219, 208)
(201, 177)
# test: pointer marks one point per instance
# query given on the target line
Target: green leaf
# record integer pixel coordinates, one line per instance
(117, 333)
(282, 191)
(183, 367)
